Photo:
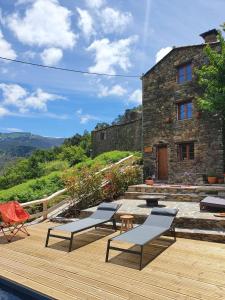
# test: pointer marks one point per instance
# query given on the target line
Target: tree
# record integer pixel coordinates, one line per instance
(101, 125)
(73, 154)
(211, 78)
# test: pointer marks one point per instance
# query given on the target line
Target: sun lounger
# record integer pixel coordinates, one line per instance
(104, 213)
(13, 217)
(158, 223)
(212, 202)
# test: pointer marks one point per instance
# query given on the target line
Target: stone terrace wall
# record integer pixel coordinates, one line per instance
(161, 93)
(122, 137)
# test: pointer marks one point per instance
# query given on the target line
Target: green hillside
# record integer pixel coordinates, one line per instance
(22, 144)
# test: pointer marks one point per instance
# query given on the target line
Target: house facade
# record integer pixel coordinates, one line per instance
(180, 143)
(126, 136)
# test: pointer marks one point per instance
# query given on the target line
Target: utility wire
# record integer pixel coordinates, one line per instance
(68, 70)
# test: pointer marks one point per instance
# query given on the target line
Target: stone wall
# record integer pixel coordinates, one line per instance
(161, 93)
(124, 137)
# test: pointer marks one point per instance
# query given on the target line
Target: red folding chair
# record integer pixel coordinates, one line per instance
(13, 217)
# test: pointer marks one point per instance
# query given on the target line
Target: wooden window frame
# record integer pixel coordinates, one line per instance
(103, 136)
(185, 67)
(185, 104)
(188, 147)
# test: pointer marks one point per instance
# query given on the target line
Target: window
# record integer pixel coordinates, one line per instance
(184, 110)
(184, 73)
(186, 151)
(102, 135)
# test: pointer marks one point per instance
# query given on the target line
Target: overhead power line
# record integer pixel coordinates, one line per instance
(67, 70)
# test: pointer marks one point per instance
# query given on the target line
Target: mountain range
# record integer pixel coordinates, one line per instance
(22, 144)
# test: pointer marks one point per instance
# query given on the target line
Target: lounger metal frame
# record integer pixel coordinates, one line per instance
(140, 253)
(76, 231)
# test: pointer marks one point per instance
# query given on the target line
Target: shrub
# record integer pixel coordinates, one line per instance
(120, 179)
(84, 185)
(73, 154)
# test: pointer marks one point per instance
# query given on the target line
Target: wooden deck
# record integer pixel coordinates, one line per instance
(185, 270)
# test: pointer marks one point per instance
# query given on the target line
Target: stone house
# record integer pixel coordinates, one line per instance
(125, 136)
(180, 143)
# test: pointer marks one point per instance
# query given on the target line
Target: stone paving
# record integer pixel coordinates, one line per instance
(186, 209)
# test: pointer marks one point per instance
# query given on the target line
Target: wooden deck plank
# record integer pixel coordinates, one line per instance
(185, 270)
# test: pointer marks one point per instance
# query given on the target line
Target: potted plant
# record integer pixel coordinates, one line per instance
(212, 178)
(220, 179)
(149, 181)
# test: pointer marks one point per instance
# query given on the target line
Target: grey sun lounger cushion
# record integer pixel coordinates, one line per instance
(104, 213)
(213, 202)
(157, 223)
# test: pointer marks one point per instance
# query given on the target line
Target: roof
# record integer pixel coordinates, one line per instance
(176, 49)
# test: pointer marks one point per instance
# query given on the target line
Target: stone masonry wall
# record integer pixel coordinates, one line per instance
(122, 137)
(161, 93)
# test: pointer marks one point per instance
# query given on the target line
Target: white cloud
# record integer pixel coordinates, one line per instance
(113, 20)
(4, 112)
(116, 90)
(15, 96)
(11, 129)
(95, 3)
(85, 118)
(29, 54)
(109, 55)
(85, 23)
(51, 56)
(6, 48)
(136, 97)
(161, 53)
(45, 23)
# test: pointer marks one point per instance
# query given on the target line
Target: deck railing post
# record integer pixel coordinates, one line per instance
(45, 210)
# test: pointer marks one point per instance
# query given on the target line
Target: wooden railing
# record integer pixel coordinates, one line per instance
(44, 211)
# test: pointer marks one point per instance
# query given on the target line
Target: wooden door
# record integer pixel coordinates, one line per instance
(162, 163)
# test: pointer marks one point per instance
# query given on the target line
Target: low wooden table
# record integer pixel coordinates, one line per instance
(151, 200)
(126, 222)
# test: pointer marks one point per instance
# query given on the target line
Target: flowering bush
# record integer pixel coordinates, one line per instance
(118, 180)
(84, 185)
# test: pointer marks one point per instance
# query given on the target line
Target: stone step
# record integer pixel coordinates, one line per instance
(191, 197)
(216, 190)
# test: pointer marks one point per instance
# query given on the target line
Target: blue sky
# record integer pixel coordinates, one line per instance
(117, 37)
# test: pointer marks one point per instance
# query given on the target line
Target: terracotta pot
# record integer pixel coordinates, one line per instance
(220, 180)
(198, 114)
(212, 180)
(149, 181)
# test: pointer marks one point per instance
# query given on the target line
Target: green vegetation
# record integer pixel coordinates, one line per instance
(43, 162)
(120, 118)
(55, 172)
(211, 78)
(106, 158)
(85, 184)
(33, 189)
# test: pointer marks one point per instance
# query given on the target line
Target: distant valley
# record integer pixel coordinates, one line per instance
(22, 144)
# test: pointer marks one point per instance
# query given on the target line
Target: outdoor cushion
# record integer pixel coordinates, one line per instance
(164, 211)
(108, 206)
(213, 202)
